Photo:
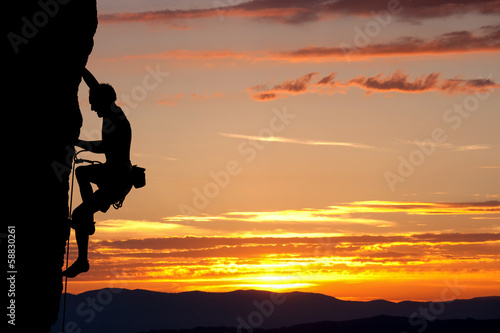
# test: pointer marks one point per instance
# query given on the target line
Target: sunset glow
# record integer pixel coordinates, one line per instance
(348, 148)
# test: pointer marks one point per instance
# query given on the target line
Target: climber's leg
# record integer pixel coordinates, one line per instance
(84, 225)
(85, 175)
(81, 264)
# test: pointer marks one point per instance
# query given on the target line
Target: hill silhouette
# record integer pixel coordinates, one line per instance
(132, 311)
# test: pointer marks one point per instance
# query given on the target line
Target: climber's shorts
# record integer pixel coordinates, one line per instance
(113, 184)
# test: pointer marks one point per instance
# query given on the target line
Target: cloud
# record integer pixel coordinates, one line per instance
(413, 10)
(170, 100)
(356, 241)
(313, 221)
(124, 229)
(484, 39)
(398, 82)
(446, 145)
(296, 141)
(278, 11)
(142, 251)
(472, 147)
(298, 12)
(428, 208)
(459, 85)
(288, 87)
(204, 96)
(307, 217)
(327, 80)
(297, 86)
(401, 82)
(147, 254)
(210, 260)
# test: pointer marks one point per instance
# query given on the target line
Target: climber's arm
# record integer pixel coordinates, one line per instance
(89, 79)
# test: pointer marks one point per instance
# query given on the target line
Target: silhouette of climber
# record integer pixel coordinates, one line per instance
(113, 178)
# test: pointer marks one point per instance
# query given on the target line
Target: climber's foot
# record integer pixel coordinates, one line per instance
(79, 266)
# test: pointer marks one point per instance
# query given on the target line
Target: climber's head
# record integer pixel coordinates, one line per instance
(102, 98)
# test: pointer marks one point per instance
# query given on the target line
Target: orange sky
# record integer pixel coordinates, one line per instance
(348, 148)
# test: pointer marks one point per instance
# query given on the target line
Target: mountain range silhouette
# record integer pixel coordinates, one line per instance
(133, 311)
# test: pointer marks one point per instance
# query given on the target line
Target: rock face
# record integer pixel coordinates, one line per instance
(47, 44)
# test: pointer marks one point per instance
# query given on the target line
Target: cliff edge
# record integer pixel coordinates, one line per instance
(47, 44)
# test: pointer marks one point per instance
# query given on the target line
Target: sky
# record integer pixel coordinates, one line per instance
(348, 148)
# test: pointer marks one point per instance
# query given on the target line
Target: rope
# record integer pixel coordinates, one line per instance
(67, 245)
(75, 161)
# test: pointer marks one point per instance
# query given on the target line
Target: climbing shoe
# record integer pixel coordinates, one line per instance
(79, 266)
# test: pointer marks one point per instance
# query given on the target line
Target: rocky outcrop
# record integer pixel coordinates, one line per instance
(47, 44)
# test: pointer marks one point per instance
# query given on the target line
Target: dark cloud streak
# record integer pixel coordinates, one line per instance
(199, 243)
(484, 39)
(298, 12)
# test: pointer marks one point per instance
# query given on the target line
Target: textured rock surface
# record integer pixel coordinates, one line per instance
(47, 43)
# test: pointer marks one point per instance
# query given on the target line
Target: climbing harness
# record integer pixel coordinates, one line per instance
(137, 180)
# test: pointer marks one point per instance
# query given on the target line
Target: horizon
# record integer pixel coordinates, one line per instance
(279, 292)
(344, 148)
